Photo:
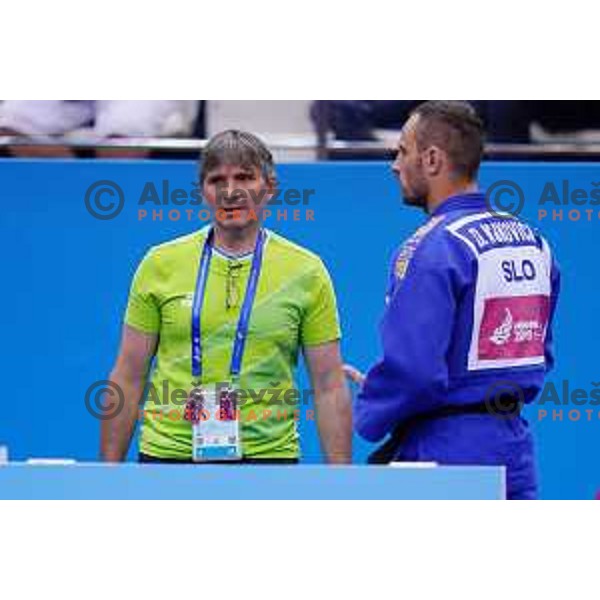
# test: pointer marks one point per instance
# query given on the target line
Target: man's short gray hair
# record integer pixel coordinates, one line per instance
(240, 148)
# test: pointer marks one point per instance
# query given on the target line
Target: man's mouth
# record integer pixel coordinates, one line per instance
(232, 213)
(233, 209)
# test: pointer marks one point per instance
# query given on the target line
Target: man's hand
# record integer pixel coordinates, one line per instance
(354, 375)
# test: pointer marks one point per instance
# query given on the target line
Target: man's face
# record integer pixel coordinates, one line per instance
(237, 195)
(408, 166)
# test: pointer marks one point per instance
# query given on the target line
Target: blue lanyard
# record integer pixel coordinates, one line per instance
(244, 321)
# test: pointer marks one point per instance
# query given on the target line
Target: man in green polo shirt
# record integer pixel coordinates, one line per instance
(293, 308)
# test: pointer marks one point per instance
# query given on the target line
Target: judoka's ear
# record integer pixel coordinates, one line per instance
(434, 159)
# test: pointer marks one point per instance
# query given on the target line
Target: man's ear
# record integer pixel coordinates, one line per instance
(433, 161)
(271, 187)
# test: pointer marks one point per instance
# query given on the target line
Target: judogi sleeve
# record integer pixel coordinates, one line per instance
(412, 375)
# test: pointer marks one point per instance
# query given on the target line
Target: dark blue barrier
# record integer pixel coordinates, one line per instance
(66, 278)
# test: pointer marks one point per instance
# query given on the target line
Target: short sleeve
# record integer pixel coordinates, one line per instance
(143, 311)
(321, 321)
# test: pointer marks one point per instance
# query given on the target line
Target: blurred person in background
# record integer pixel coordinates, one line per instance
(94, 120)
(506, 121)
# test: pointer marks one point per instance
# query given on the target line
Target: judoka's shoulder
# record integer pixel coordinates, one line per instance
(435, 241)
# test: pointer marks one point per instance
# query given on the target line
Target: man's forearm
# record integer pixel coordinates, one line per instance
(334, 421)
(117, 431)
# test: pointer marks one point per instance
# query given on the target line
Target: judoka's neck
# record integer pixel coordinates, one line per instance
(447, 189)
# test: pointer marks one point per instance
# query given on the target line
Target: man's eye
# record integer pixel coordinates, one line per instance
(244, 177)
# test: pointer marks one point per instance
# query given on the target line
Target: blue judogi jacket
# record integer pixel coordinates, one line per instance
(469, 306)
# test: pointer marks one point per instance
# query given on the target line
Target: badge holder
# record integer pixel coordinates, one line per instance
(215, 419)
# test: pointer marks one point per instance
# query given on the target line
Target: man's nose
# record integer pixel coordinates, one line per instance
(235, 193)
(230, 192)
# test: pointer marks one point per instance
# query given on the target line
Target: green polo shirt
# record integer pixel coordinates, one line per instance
(295, 307)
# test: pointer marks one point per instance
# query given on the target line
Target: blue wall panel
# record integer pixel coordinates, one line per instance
(66, 278)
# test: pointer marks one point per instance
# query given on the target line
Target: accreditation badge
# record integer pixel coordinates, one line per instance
(215, 424)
